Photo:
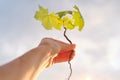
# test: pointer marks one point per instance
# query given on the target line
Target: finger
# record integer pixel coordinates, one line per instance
(50, 62)
(68, 47)
(64, 56)
(63, 59)
(72, 55)
(63, 45)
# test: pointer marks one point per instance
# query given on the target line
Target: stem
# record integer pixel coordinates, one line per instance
(70, 66)
(66, 36)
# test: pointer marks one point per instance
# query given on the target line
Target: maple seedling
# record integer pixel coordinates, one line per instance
(67, 19)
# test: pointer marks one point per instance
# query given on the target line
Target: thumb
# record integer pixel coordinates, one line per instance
(69, 47)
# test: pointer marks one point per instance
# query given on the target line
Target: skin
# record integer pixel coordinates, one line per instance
(29, 65)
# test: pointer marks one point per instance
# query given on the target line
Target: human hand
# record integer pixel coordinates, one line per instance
(65, 54)
(65, 51)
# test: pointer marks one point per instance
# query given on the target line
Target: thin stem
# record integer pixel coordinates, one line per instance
(66, 36)
(70, 66)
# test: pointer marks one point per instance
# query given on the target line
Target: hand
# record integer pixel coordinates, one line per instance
(63, 50)
(65, 54)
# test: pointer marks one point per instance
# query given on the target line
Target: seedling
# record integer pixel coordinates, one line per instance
(67, 19)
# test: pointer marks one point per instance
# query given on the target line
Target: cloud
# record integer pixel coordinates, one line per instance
(113, 52)
(97, 51)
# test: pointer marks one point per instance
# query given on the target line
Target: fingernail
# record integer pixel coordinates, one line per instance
(73, 46)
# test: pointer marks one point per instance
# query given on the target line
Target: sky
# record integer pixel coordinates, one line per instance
(98, 44)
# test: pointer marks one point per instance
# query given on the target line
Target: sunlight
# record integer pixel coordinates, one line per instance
(88, 77)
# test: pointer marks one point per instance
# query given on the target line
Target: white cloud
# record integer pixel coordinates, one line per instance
(98, 46)
(114, 52)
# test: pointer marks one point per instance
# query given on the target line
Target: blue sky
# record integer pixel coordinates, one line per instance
(98, 45)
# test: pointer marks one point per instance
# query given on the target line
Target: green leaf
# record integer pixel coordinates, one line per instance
(55, 21)
(52, 20)
(41, 13)
(78, 18)
(68, 19)
(46, 23)
(63, 13)
(68, 23)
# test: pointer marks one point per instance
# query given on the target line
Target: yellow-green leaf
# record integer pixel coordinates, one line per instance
(63, 13)
(78, 19)
(55, 21)
(68, 23)
(41, 13)
(68, 19)
(46, 23)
